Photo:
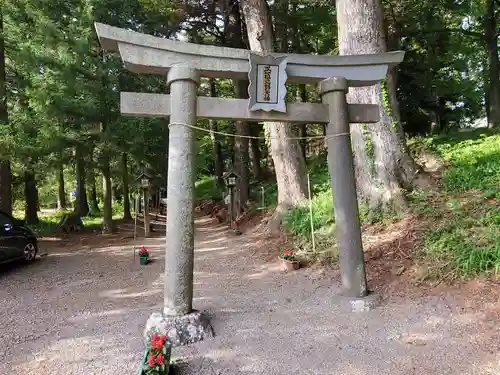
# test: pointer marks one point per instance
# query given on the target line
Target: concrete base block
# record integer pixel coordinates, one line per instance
(361, 304)
(180, 330)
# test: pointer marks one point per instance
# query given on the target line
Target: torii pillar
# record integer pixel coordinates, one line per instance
(178, 291)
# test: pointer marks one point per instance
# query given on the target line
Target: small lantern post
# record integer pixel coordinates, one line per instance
(231, 180)
(145, 181)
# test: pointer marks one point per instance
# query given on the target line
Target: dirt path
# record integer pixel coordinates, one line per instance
(82, 310)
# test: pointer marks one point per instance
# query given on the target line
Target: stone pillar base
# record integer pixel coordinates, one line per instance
(360, 304)
(180, 330)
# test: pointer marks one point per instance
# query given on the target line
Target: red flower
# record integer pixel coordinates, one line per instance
(157, 342)
(159, 359)
(151, 361)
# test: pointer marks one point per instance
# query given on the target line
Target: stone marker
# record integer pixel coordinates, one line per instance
(185, 63)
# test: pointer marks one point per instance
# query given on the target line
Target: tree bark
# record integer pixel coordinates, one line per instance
(30, 194)
(91, 188)
(254, 153)
(490, 26)
(126, 194)
(302, 97)
(61, 196)
(216, 145)
(108, 225)
(288, 161)
(94, 204)
(6, 187)
(241, 145)
(5, 168)
(81, 204)
(301, 89)
(360, 24)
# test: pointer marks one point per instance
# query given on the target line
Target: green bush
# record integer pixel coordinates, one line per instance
(298, 219)
(207, 188)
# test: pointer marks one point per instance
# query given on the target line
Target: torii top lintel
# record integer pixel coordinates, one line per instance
(142, 53)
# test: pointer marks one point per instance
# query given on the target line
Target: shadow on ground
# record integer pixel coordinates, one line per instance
(82, 309)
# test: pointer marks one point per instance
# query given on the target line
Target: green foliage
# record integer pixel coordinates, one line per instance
(465, 245)
(48, 224)
(207, 188)
(297, 220)
(476, 165)
(466, 241)
(473, 158)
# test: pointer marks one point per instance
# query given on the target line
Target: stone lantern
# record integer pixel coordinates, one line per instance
(146, 179)
(231, 180)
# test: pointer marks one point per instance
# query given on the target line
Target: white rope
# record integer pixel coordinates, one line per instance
(255, 137)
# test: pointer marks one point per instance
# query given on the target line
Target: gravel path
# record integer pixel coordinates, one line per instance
(82, 310)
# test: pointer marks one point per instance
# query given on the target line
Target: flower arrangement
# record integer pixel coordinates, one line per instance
(157, 358)
(289, 261)
(288, 255)
(143, 252)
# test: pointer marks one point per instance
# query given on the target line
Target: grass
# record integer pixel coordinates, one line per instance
(48, 221)
(206, 188)
(466, 239)
(463, 239)
(474, 160)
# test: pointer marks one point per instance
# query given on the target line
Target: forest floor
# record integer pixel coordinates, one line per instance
(82, 310)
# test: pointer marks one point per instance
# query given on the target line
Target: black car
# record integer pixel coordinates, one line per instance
(17, 242)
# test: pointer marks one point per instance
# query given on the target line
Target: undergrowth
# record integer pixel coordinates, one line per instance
(48, 221)
(206, 188)
(464, 237)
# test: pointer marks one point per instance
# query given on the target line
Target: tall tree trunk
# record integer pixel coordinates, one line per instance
(108, 225)
(302, 97)
(117, 193)
(126, 193)
(5, 170)
(216, 145)
(61, 192)
(81, 206)
(254, 153)
(360, 24)
(490, 26)
(30, 194)
(5, 187)
(241, 144)
(94, 204)
(92, 191)
(289, 163)
(301, 89)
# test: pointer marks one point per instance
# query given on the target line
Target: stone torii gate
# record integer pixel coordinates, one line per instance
(184, 64)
